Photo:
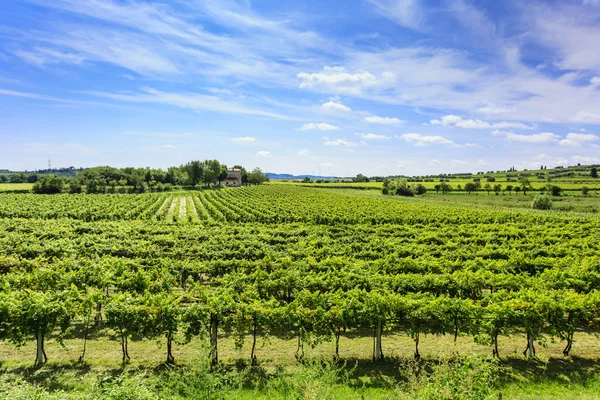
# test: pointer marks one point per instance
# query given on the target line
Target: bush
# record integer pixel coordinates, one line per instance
(585, 190)
(542, 202)
(420, 189)
(555, 190)
(49, 184)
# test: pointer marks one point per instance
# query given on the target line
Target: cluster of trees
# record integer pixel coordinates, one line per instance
(139, 180)
(400, 187)
(19, 177)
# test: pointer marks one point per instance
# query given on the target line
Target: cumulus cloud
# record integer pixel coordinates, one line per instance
(458, 122)
(422, 140)
(372, 136)
(303, 152)
(577, 139)
(338, 79)
(322, 126)
(384, 120)
(244, 139)
(263, 153)
(335, 106)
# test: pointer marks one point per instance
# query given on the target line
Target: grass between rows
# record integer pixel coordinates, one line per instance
(550, 375)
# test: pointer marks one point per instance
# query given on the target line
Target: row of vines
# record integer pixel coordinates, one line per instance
(292, 262)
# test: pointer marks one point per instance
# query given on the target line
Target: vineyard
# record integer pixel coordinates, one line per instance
(303, 264)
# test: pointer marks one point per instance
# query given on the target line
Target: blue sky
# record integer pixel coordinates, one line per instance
(338, 87)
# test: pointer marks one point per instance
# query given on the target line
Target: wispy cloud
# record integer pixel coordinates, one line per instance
(384, 120)
(244, 139)
(321, 126)
(425, 140)
(372, 136)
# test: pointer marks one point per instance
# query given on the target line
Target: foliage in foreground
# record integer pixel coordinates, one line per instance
(456, 378)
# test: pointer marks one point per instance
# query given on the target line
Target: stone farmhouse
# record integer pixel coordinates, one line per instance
(234, 177)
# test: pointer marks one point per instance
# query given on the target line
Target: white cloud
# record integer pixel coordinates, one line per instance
(406, 13)
(372, 136)
(457, 163)
(168, 146)
(322, 126)
(244, 139)
(544, 137)
(326, 165)
(193, 101)
(489, 108)
(384, 120)
(339, 143)
(421, 140)
(549, 160)
(595, 80)
(435, 163)
(263, 153)
(586, 117)
(586, 160)
(335, 106)
(459, 122)
(303, 152)
(338, 79)
(435, 122)
(472, 145)
(577, 139)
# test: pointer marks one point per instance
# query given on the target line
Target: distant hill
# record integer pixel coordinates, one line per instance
(274, 176)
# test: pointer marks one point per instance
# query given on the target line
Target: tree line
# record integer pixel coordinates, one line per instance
(106, 179)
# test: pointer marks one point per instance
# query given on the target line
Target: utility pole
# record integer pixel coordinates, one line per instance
(49, 165)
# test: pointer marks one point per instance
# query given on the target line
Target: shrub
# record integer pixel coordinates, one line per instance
(542, 202)
(420, 189)
(48, 184)
(585, 190)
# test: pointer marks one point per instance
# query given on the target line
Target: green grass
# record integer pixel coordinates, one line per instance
(9, 187)
(281, 376)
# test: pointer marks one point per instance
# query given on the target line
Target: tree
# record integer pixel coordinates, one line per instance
(194, 170)
(437, 188)
(48, 184)
(224, 174)
(585, 190)
(211, 171)
(509, 189)
(491, 179)
(487, 188)
(525, 185)
(445, 188)
(470, 187)
(554, 190)
(594, 172)
(400, 187)
(360, 178)
(257, 177)
(497, 189)
(420, 189)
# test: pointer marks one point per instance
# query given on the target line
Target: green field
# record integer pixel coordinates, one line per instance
(272, 283)
(11, 187)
